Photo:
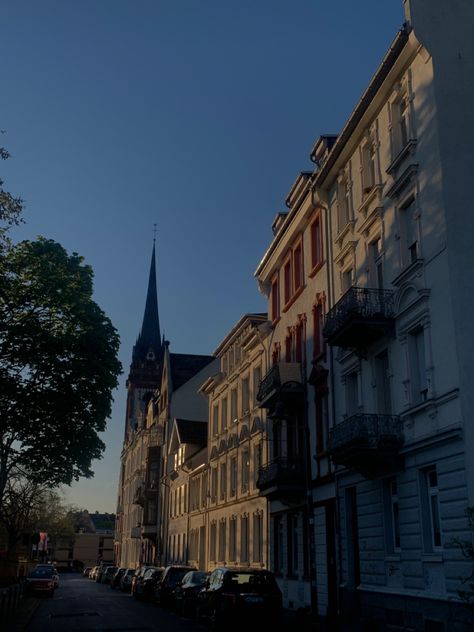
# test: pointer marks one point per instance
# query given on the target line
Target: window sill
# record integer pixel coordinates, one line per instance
(316, 268)
(298, 293)
(347, 228)
(400, 157)
(413, 269)
(432, 558)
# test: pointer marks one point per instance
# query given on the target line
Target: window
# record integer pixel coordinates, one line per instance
(430, 509)
(288, 346)
(257, 461)
(223, 481)
(257, 553)
(244, 539)
(368, 166)
(346, 280)
(233, 476)
(222, 540)
(245, 395)
(298, 266)
(232, 539)
(343, 203)
(287, 280)
(299, 341)
(257, 378)
(352, 394)
(275, 298)
(224, 414)
(245, 469)
(278, 544)
(410, 247)
(203, 489)
(233, 405)
(213, 484)
(382, 383)
(322, 420)
(215, 420)
(316, 242)
(392, 516)
(318, 322)
(416, 351)
(213, 542)
(293, 543)
(376, 267)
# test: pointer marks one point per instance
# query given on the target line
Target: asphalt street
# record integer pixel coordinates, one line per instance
(82, 604)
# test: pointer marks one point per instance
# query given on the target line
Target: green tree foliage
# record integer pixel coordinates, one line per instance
(10, 209)
(58, 365)
(29, 507)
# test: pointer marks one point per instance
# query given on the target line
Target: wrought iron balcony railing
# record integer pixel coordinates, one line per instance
(366, 440)
(282, 473)
(283, 378)
(361, 310)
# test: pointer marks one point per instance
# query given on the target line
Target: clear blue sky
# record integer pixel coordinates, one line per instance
(196, 115)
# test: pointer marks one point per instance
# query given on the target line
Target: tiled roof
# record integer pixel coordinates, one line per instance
(194, 432)
(184, 366)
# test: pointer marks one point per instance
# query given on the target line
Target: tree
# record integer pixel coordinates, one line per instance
(10, 209)
(58, 365)
(28, 506)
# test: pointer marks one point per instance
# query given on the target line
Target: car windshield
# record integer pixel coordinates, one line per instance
(41, 573)
(198, 577)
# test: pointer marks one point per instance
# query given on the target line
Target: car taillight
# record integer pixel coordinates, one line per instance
(50, 584)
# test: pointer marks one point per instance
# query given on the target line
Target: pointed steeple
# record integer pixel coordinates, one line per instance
(148, 345)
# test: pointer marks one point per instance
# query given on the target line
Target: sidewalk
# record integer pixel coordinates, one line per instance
(22, 616)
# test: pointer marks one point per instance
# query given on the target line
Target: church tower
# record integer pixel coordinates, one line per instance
(147, 359)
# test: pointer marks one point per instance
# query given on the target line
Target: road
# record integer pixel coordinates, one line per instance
(82, 604)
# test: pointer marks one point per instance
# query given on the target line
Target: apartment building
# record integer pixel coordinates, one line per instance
(297, 477)
(236, 515)
(401, 437)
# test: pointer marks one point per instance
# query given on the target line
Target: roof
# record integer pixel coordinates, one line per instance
(184, 366)
(194, 432)
(149, 336)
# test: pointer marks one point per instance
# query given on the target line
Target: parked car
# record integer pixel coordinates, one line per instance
(186, 592)
(40, 580)
(236, 595)
(163, 593)
(146, 583)
(54, 570)
(126, 580)
(140, 571)
(93, 572)
(86, 571)
(117, 576)
(100, 572)
(107, 574)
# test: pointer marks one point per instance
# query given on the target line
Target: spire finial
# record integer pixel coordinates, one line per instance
(154, 233)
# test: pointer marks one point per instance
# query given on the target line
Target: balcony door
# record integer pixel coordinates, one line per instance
(382, 383)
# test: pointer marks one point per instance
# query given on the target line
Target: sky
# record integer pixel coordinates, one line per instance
(194, 115)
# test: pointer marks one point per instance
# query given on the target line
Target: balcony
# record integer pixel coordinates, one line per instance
(149, 531)
(281, 383)
(282, 478)
(368, 443)
(360, 317)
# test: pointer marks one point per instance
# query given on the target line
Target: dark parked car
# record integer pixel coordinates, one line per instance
(140, 571)
(117, 576)
(107, 575)
(233, 595)
(163, 593)
(41, 580)
(126, 580)
(146, 584)
(186, 592)
(86, 571)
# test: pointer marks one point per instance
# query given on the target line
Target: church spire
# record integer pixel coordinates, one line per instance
(148, 345)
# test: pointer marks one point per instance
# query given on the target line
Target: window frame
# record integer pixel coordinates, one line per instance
(316, 239)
